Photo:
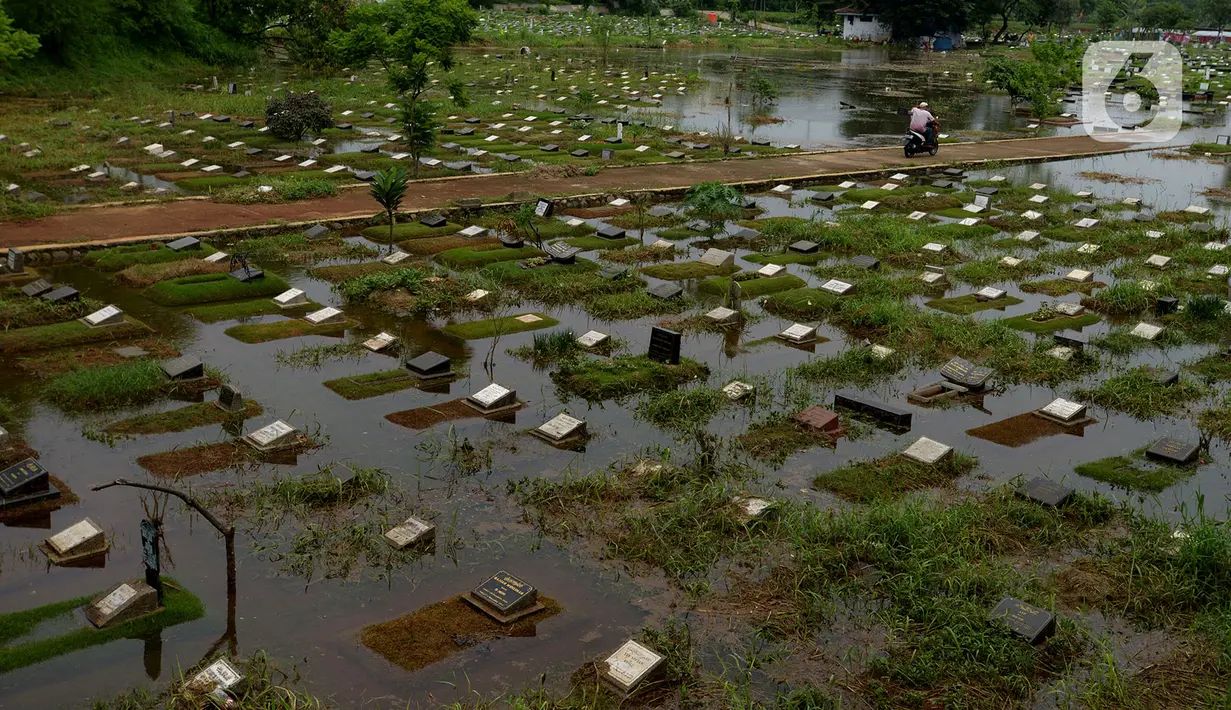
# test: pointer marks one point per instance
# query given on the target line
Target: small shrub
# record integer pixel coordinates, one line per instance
(290, 118)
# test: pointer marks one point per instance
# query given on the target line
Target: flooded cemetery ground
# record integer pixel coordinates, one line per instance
(955, 438)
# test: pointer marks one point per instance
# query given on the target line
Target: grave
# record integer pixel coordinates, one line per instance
(434, 221)
(291, 298)
(1165, 305)
(615, 271)
(34, 289)
(751, 508)
(665, 290)
(1173, 451)
(928, 451)
(1067, 308)
(664, 345)
(722, 315)
(769, 271)
(718, 258)
(104, 317)
(1072, 339)
(1065, 413)
(870, 263)
(560, 429)
(804, 246)
(185, 244)
(989, 293)
(411, 531)
(76, 542)
(127, 601)
(1026, 620)
(611, 233)
(430, 366)
(593, 339)
(380, 341)
(799, 334)
(966, 373)
(512, 241)
(273, 437)
(246, 274)
(935, 392)
(819, 420)
(880, 411)
(326, 316)
(229, 399)
(1047, 492)
(493, 399)
(219, 675)
(216, 257)
(631, 666)
(933, 278)
(473, 231)
(1146, 330)
(736, 390)
(782, 189)
(184, 368)
(24, 482)
(562, 253)
(1026, 236)
(505, 598)
(839, 288)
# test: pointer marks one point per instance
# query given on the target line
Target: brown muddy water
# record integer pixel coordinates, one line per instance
(315, 622)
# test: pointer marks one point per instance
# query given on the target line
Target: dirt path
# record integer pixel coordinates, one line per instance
(189, 216)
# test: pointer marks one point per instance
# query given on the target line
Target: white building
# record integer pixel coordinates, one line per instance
(861, 25)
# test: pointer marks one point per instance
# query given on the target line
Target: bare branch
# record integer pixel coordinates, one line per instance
(227, 531)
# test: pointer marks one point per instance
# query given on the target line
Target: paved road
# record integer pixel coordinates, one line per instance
(189, 216)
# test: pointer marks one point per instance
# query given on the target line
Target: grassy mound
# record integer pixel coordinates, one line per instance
(965, 305)
(491, 327)
(596, 380)
(752, 287)
(182, 419)
(1135, 472)
(372, 384)
(211, 288)
(69, 334)
(891, 476)
(120, 258)
(292, 328)
(477, 258)
(686, 270)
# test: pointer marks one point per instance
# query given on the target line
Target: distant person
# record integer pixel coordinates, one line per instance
(922, 120)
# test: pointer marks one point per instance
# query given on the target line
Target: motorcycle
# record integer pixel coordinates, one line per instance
(917, 143)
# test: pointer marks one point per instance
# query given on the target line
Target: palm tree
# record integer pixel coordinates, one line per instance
(388, 188)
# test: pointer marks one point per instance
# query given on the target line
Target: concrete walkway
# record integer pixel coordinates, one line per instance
(121, 222)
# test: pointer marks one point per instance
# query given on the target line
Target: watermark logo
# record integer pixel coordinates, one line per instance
(1132, 91)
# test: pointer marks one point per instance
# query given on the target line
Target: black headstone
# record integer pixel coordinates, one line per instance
(506, 594)
(1047, 492)
(1165, 305)
(966, 373)
(613, 272)
(64, 294)
(867, 262)
(549, 148)
(1072, 339)
(665, 290)
(611, 233)
(24, 479)
(187, 367)
(229, 398)
(184, 244)
(254, 151)
(1026, 620)
(580, 153)
(16, 261)
(879, 410)
(429, 365)
(246, 124)
(1174, 451)
(34, 289)
(822, 196)
(942, 183)
(804, 247)
(665, 345)
(247, 274)
(989, 191)
(433, 221)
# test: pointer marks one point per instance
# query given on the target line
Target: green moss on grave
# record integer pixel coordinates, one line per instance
(786, 257)
(372, 384)
(291, 328)
(1135, 472)
(477, 257)
(595, 380)
(68, 334)
(686, 270)
(634, 304)
(1026, 323)
(182, 419)
(965, 305)
(179, 606)
(237, 310)
(120, 258)
(889, 477)
(212, 288)
(599, 243)
(491, 327)
(752, 288)
(410, 231)
(1060, 287)
(801, 303)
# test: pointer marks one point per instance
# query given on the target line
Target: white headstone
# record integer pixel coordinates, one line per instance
(291, 297)
(798, 333)
(736, 390)
(1146, 330)
(106, 316)
(409, 532)
(592, 339)
(1064, 410)
(838, 287)
(630, 665)
(273, 435)
(380, 341)
(560, 427)
(324, 316)
(990, 293)
(927, 451)
(74, 537)
(770, 270)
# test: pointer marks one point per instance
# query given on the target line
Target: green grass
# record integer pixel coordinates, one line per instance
(372, 384)
(801, 303)
(595, 380)
(786, 257)
(409, 230)
(120, 258)
(180, 606)
(292, 328)
(752, 288)
(776, 438)
(1135, 472)
(19, 311)
(182, 419)
(1025, 324)
(338, 273)
(681, 411)
(854, 366)
(492, 327)
(125, 384)
(63, 335)
(634, 304)
(211, 288)
(471, 258)
(686, 270)
(889, 477)
(1138, 393)
(965, 305)
(1215, 367)
(594, 243)
(237, 310)
(1060, 287)
(1215, 148)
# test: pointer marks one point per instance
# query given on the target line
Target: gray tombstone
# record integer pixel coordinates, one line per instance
(734, 293)
(230, 399)
(16, 261)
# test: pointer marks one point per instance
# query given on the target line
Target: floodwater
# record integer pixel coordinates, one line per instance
(315, 624)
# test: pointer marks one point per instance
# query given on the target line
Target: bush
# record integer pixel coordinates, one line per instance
(291, 117)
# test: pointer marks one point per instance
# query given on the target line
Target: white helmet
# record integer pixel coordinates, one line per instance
(923, 104)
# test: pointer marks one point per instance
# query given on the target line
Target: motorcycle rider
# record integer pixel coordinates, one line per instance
(922, 121)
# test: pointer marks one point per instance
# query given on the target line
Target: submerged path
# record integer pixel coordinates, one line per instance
(121, 222)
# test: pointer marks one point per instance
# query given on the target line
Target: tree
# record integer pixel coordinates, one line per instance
(714, 202)
(763, 89)
(1166, 16)
(602, 29)
(292, 117)
(1215, 12)
(15, 44)
(420, 127)
(388, 189)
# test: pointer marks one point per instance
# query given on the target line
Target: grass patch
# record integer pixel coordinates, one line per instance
(179, 606)
(435, 245)
(69, 334)
(238, 310)
(19, 311)
(1139, 393)
(493, 327)
(681, 411)
(1060, 287)
(1213, 148)
(596, 380)
(751, 288)
(409, 230)
(125, 384)
(344, 272)
(801, 303)
(1026, 323)
(786, 257)
(634, 304)
(1215, 367)
(372, 384)
(211, 288)
(855, 366)
(278, 330)
(778, 437)
(686, 270)
(1135, 472)
(143, 275)
(122, 257)
(965, 305)
(593, 243)
(889, 477)
(477, 258)
(182, 419)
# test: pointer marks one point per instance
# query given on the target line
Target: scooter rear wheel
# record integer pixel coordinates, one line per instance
(932, 150)
(909, 153)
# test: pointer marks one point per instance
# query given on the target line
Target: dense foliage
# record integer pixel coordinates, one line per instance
(293, 116)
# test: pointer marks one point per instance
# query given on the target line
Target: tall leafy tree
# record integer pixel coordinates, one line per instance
(15, 44)
(388, 189)
(1215, 12)
(420, 127)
